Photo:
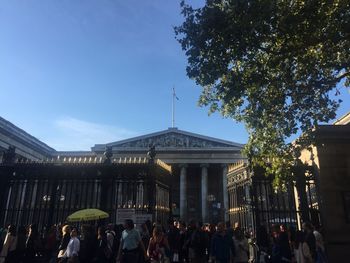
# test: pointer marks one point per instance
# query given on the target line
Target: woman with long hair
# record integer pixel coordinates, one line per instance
(64, 243)
(158, 245)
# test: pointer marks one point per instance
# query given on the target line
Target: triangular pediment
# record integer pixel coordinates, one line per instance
(171, 138)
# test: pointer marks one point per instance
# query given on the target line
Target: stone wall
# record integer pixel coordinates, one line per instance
(332, 162)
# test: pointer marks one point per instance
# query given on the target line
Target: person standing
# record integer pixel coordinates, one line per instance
(302, 251)
(222, 245)
(33, 244)
(64, 242)
(275, 248)
(241, 247)
(284, 244)
(320, 249)
(111, 242)
(158, 245)
(197, 243)
(310, 239)
(129, 244)
(102, 252)
(88, 244)
(173, 235)
(144, 233)
(183, 250)
(50, 244)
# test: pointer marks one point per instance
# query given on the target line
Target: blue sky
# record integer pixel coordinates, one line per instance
(76, 73)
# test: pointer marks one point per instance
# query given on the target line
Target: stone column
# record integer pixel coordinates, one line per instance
(204, 190)
(224, 191)
(183, 192)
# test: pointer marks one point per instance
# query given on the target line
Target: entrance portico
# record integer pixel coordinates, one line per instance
(199, 165)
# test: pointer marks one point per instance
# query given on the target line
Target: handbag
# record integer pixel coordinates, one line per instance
(61, 253)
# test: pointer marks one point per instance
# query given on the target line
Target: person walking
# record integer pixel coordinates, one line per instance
(129, 244)
(241, 247)
(33, 244)
(222, 245)
(197, 243)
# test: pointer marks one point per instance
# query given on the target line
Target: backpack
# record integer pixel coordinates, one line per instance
(111, 250)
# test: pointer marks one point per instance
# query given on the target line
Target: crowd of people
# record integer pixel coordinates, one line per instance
(157, 243)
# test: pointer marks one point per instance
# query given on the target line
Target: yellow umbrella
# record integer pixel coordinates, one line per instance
(87, 215)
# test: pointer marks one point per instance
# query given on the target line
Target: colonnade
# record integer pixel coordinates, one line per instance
(204, 191)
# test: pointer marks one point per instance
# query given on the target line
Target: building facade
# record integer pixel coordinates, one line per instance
(197, 184)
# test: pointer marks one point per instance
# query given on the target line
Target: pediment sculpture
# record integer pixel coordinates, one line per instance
(172, 140)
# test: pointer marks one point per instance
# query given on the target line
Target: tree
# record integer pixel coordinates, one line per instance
(271, 65)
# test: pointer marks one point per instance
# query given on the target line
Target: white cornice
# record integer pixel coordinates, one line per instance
(344, 120)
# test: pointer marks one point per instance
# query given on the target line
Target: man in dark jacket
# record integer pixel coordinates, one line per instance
(222, 246)
(173, 235)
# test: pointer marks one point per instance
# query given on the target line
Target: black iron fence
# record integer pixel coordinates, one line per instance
(47, 196)
(254, 202)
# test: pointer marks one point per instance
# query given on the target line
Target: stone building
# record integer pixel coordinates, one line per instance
(330, 157)
(198, 166)
(320, 191)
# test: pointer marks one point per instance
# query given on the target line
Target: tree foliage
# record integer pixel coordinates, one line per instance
(270, 64)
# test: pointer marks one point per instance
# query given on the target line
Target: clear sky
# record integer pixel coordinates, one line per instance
(77, 73)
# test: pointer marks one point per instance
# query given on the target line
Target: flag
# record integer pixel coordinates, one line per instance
(174, 94)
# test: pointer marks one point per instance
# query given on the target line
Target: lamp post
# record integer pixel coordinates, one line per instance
(151, 154)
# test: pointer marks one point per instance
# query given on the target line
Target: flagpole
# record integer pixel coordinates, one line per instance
(173, 109)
